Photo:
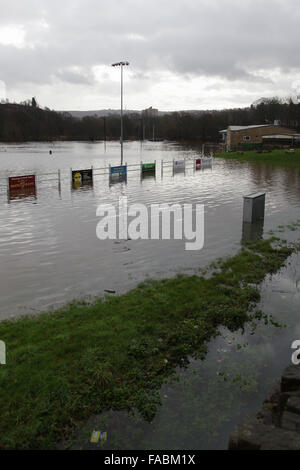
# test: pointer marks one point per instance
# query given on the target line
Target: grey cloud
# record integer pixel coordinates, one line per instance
(76, 77)
(218, 38)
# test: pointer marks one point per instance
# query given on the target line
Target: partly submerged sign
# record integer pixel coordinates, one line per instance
(179, 165)
(21, 182)
(198, 163)
(148, 170)
(118, 173)
(21, 186)
(148, 167)
(120, 170)
(82, 177)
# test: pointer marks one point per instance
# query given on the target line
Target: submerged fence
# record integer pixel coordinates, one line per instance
(17, 185)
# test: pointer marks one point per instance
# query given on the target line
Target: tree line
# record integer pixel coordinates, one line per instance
(28, 122)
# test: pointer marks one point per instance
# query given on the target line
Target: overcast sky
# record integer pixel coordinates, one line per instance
(192, 54)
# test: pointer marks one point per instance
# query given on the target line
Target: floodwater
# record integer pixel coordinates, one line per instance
(200, 411)
(50, 254)
(49, 251)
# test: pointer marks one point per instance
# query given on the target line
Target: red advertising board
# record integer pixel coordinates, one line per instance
(21, 182)
(21, 186)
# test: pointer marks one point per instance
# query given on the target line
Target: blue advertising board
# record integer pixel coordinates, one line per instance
(118, 171)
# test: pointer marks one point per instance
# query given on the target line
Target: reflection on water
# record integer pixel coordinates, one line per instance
(21, 193)
(49, 252)
(148, 175)
(252, 232)
(119, 179)
(82, 185)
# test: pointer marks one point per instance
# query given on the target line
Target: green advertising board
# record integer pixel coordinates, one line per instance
(148, 167)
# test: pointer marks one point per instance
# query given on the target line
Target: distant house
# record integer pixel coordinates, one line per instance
(235, 137)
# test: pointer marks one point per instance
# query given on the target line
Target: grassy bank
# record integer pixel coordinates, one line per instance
(276, 157)
(115, 353)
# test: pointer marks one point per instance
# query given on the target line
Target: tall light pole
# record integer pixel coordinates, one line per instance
(121, 64)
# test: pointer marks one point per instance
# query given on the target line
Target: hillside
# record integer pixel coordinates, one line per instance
(24, 122)
(20, 123)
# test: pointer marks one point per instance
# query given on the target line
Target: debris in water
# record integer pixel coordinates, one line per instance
(95, 437)
(98, 436)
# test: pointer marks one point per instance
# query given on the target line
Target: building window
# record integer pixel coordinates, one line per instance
(246, 138)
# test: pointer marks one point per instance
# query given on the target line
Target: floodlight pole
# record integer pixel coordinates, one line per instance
(121, 64)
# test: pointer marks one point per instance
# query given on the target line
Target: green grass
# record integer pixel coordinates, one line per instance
(116, 353)
(276, 157)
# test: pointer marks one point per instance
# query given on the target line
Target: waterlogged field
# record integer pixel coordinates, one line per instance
(186, 356)
(49, 250)
(282, 157)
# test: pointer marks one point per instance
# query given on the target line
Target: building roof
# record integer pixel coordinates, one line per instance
(242, 128)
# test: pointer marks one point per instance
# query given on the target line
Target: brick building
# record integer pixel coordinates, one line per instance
(235, 137)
